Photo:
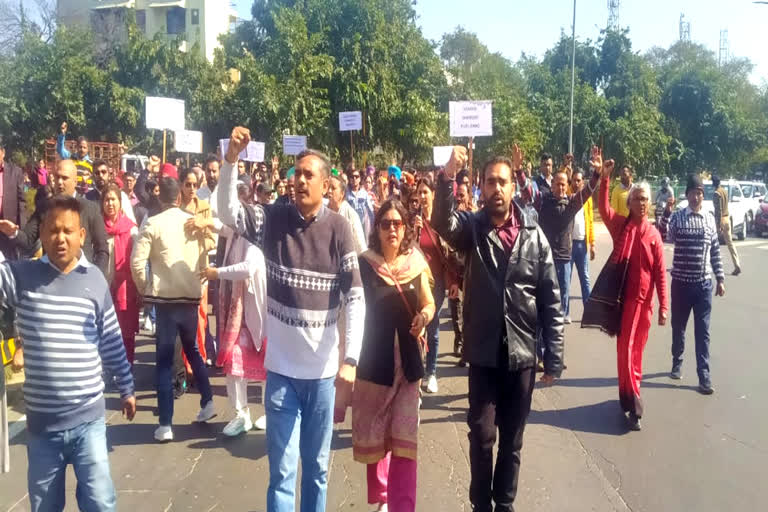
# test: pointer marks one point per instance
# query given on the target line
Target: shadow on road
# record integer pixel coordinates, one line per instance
(604, 382)
(252, 445)
(601, 418)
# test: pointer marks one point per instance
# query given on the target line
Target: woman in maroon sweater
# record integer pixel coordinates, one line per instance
(445, 275)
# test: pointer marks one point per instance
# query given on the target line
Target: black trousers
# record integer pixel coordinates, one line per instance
(456, 306)
(501, 399)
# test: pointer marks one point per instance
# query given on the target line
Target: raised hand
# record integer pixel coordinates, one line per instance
(275, 163)
(517, 158)
(596, 159)
(238, 141)
(456, 163)
(64, 128)
(608, 167)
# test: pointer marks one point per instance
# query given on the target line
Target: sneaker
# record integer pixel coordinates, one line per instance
(677, 371)
(206, 413)
(148, 325)
(432, 384)
(164, 434)
(239, 425)
(634, 422)
(261, 423)
(567, 320)
(705, 387)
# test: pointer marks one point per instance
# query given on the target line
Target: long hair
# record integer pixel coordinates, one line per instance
(374, 242)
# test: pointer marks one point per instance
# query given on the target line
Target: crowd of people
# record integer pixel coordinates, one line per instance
(326, 288)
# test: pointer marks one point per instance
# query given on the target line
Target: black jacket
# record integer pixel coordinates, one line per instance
(504, 296)
(95, 248)
(556, 218)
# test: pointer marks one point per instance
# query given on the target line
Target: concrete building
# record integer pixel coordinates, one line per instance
(195, 21)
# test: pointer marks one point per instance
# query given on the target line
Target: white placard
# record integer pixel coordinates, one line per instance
(471, 118)
(294, 144)
(186, 141)
(255, 152)
(164, 113)
(350, 121)
(441, 155)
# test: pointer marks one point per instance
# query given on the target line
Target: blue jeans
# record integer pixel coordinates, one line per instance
(181, 319)
(563, 269)
(580, 258)
(299, 424)
(433, 328)
(696, 297)
(85, 447)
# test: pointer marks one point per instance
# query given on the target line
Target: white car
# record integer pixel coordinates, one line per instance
(754, 193)
(738, 208)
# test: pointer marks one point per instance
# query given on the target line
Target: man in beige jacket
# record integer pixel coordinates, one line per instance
(176, 258)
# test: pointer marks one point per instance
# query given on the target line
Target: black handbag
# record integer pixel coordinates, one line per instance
(605, 305)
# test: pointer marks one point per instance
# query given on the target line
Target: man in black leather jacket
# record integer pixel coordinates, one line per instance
(509, 284)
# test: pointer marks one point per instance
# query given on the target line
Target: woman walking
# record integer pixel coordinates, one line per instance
(385, 401)
(243, 312)
(121, 233)
(638, 243)
(443, 272)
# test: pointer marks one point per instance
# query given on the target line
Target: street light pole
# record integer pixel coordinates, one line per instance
(573, 79)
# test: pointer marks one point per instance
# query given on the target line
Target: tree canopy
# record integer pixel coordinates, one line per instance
(298, 64)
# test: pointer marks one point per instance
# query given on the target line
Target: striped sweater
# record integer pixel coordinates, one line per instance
(69, 329)
(697, 248)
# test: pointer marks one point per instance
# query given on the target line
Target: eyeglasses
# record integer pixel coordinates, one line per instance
(387, 224)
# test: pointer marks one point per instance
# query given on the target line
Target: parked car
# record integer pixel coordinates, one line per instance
(737, 206)
(754, 192)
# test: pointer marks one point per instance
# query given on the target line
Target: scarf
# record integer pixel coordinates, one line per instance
(231, 298)
(404, 269)
(122, 284)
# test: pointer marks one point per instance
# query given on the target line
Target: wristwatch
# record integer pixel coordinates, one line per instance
(350, 361)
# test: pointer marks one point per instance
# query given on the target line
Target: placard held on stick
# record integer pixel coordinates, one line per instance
(350, 121)
(294, 144)
(164, 113)
(187, 141)
(471, 118)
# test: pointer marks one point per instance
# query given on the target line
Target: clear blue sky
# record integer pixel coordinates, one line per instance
(531, 26)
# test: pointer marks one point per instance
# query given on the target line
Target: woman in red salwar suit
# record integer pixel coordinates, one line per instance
(641, 242)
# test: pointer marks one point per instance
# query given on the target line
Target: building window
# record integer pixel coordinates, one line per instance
(141, 20)
(176, 20)
(194, 17)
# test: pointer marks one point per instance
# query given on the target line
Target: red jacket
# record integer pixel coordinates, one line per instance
(646, 262)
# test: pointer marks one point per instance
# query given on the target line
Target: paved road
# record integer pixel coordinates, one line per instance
(695, 452)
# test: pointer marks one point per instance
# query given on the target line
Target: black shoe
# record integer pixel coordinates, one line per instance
(634, 422)
(736, 272)
(705, 387)
(462, 363)
(677, 371)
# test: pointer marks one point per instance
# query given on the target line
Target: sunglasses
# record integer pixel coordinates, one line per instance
(387, 224)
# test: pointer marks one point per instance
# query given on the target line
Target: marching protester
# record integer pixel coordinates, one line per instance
(544, 180)
(723, 222)
(583, 245)
(12, 204)
(81, 158)
(696, 258)
(65, 183)
(63, 388)
(443, 270)
(359, 198)
(456, 304)
(386, 401)
(242, 340)
(312, 274)
(504, 299)
(337, 202)
(556, 218)
(121, 234)
(621, 191)
(173, 286)
(129, 185)
(638, 247)
(101, 177)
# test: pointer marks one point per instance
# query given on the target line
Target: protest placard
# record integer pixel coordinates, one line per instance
(350, 121)
(471, 118)
(164, 113)
(441, 155)
(294, 144)
(187, 141)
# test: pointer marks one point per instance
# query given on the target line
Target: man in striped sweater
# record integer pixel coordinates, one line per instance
(697, 256)
(69, 327)
(312, 275)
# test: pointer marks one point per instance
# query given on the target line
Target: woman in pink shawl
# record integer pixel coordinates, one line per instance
(121, 232)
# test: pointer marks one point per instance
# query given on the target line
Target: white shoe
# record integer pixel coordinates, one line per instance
(382, 507)
(163, 434)
(432, 384)
(206, 413)
(261, 423)
(239, 425)
(148, 326)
